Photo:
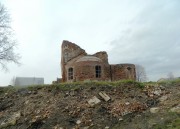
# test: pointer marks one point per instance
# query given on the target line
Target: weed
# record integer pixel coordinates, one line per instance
(8, 89)
(170, 82)
(174, 124)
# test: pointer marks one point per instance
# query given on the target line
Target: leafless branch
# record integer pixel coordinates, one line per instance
(7, 41)
(140, 73)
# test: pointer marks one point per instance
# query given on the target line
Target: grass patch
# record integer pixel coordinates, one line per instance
(170, 82)
(174, 124)
(172, 121)
(35, 87)
(8, 89)
(73, 86)
(76, 85)
(66, 86)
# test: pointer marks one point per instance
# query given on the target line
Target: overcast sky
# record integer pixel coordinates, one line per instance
(145, 32)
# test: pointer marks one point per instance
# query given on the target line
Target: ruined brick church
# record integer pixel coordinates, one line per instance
(77, 65)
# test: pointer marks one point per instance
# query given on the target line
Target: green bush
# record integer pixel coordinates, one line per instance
(140, 84)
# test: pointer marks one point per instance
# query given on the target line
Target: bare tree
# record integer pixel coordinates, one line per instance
(140, 73)
(170, 76)
(13, 80)
(7, 41)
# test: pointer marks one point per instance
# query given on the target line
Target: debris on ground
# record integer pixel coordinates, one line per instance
(93, 101)
(87, 106)
(154, 109)
(104, 96)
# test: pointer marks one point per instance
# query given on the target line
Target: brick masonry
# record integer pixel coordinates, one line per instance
(84, 65)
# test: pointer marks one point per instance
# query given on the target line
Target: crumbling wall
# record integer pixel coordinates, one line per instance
(122, 71)
(103, 56)
(85, 71)
(69, 51)
(83, 65)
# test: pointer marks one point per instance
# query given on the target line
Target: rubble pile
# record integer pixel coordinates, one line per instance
(154, 90)
(84, 107)
(121, 109)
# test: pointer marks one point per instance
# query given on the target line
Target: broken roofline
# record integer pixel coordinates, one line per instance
(83, 65)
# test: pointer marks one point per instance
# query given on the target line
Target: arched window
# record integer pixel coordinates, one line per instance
(98, 71)
(70, 73)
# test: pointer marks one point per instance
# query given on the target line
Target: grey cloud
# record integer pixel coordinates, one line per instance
(144, 32)
(152, 40)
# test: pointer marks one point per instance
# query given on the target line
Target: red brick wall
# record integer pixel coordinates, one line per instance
(102, 55)
(69, 51)
(85, 70)
(120, 71)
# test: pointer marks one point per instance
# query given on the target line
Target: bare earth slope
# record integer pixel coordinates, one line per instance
(67, 106)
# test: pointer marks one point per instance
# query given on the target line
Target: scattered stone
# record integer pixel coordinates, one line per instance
(29, 92)
(11, 120)
(162, 87)
(151, 95)
(104, 96)
(57, 112)
(163, 98)
(38, 111)
(72, 93)
(93, 101)
(36, 118)
(125, 113)
(107, 127)
(127, 103)
(120, 119)
(121, 109)
(157, 92)
(26, 102)
(57, 127)
(154, 109)
(175, 109)
(92, 124)
(78, 122)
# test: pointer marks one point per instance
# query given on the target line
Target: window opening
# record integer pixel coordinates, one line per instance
(98, 71)
(70, 73)
(129, 68)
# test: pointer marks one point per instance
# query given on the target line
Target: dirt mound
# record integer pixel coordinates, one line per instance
(85, 105)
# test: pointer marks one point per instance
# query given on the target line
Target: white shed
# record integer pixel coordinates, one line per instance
(25, 81)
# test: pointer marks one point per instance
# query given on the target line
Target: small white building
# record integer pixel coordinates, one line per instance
(27, 81)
